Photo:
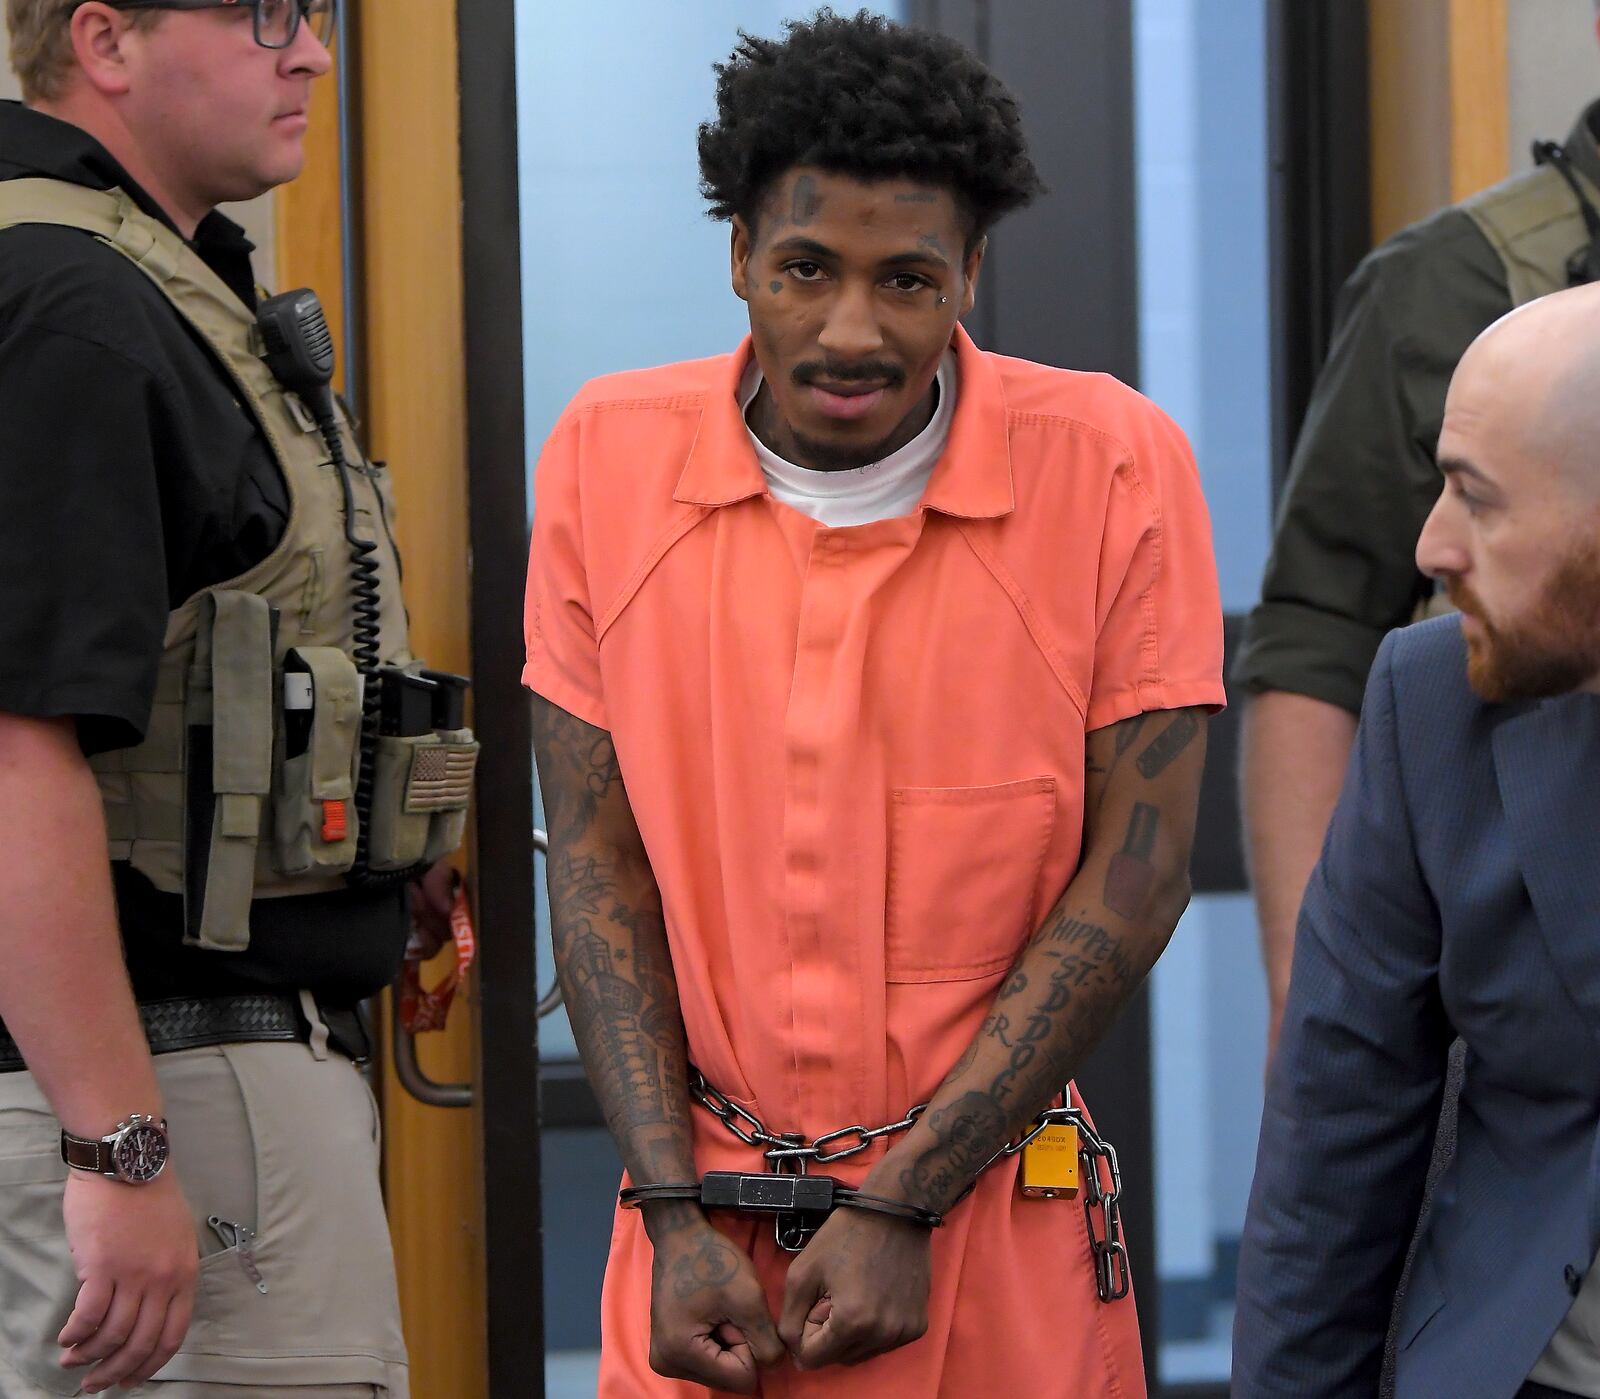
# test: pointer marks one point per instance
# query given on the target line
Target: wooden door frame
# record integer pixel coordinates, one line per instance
(1440, 105)
(508, 1068)
(413, 151)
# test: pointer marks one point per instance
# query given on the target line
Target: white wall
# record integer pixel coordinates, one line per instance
(256, 216)
(1553, 70)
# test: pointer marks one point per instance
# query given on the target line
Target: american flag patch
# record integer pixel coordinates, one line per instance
(441, 776)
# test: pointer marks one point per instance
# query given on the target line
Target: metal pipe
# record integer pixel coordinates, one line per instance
(409, 1071)
(414, 1080)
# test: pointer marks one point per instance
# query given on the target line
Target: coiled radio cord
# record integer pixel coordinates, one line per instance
(298, 349)
(365, 609)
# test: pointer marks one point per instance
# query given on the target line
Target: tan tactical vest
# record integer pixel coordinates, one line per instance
(259, 669)
(1534, 224)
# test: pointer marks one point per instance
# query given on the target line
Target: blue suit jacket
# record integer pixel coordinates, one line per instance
(1458, 893)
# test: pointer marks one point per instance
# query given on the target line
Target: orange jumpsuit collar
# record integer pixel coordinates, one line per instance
(972, 479)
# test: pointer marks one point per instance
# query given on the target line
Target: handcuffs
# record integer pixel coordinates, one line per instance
(801, 1203)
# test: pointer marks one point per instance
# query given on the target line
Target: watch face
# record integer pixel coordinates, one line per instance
(140, 1153)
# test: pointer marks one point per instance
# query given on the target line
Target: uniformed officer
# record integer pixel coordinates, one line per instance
(1342, 570)
(204, 670)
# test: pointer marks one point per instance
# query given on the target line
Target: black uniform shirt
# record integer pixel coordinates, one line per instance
(130, 478)
(1343, 569)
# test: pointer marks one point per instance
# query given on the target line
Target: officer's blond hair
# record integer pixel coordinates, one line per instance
(41, 43)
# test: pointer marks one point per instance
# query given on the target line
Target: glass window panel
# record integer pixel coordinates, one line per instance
(1204, 323)
(1201, 152)
(1209, 1031)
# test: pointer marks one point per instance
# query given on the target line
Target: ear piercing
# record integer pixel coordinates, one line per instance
(943, 300)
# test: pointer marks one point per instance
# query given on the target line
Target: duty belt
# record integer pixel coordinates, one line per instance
(196, 1022)
(801, 1210)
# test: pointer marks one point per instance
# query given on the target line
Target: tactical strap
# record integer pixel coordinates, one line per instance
(108, 214)
(111, 216)
(240, 658)
(1535, 225)
(337, 690)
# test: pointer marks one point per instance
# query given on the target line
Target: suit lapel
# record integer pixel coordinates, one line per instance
(1547, 765)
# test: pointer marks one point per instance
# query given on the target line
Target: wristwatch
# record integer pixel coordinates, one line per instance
(135, 1153)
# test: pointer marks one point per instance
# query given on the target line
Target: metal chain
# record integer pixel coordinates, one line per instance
(788, 1152)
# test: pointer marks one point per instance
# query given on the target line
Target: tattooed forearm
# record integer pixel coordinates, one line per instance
(628, 1027)
(1079, 968)
(1044, 1024)
(611, 948)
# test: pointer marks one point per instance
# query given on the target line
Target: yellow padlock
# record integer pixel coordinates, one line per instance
(1050, 1163)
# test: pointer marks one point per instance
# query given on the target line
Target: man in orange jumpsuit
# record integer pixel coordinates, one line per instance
(872, 672)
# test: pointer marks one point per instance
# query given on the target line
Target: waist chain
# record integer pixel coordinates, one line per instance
(802, 1202)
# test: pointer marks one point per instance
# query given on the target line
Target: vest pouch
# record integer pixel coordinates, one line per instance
(399, 836)
(230, 711)
(421, 786)
(319, 743)
(449, 791)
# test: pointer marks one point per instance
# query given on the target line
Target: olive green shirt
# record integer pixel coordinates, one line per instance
(1342, 571)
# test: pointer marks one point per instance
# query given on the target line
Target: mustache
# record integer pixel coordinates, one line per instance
(1463, 599)
(875, 371)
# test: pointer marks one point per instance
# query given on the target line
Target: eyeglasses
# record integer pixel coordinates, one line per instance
(276, 21)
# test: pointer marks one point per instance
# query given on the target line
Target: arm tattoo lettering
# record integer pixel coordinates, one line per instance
(1093, 973)
(1132, 873)
(1167, 745)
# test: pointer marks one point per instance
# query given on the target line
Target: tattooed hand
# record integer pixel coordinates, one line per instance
(709, 1321)
(859, 1289)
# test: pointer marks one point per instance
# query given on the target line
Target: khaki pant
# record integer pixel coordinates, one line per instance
(270, 1136)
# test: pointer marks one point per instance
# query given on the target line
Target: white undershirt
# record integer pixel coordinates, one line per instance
(879, 491)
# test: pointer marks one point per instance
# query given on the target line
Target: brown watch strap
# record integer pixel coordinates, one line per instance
(86, 1153)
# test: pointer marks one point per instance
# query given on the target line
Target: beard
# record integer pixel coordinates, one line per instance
(818, 455)
(1553, 650)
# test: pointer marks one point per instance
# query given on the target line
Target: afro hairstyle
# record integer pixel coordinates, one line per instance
(867, 98)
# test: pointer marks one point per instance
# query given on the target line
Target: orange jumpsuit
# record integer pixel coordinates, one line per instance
(856, 757)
